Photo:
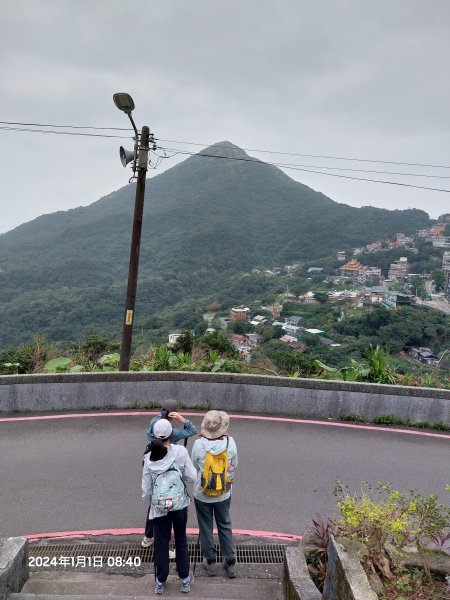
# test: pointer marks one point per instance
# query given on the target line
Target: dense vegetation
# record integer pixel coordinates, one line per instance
(206, 220)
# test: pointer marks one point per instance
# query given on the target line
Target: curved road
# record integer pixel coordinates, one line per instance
(83, 472)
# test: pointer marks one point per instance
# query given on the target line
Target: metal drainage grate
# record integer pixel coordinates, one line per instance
(133, 554)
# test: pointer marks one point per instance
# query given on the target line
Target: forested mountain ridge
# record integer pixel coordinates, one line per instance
(204, 219)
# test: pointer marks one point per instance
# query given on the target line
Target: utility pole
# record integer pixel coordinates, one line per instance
(139, 157)
(130, 301)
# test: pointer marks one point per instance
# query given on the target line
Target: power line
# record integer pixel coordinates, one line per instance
(421, 187)
(103, 135)
(289, 165)
(387, 162)
(65, 126)
(279, 165)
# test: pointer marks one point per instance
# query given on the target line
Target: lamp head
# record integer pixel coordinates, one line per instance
(124, 102)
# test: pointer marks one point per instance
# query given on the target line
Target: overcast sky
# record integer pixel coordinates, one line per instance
(345, 78)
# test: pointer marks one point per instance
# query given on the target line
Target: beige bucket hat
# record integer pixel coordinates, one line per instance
(215, 424)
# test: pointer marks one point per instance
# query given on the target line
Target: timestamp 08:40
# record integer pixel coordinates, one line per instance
(83, 562)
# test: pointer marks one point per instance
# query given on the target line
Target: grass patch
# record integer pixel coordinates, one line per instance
(391, 420)
(441, 426)
(352, 418)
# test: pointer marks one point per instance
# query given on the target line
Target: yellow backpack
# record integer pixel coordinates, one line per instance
(215, 480)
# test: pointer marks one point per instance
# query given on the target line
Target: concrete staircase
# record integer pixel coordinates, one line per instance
(57, 585)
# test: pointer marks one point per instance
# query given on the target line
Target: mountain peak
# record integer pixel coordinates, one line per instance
(226, 149)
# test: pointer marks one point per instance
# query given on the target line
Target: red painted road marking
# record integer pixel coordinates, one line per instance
(251, 417)
(274, 535)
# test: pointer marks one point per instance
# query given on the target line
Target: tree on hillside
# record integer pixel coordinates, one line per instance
(240, 326)
(438, 279)
(184, 343)
(87, 352)
(27, 358)
(219, 342)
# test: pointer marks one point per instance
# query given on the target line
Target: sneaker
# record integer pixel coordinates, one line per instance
(172, 554)
(160, 587)
(147, 542)
(186, 583)
(230, 568)
(210, 567)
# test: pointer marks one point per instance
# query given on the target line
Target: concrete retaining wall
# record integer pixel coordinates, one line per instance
(309, 398)
(13, 565)
(298, 584)
(346, 579)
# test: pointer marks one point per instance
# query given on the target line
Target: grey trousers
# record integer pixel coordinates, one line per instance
(220, 512)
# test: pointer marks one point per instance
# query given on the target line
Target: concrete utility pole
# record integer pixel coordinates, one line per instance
(130, 301)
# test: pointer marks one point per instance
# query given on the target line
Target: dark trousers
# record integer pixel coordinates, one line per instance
(220, 512)
(149, 525)
(162, 527)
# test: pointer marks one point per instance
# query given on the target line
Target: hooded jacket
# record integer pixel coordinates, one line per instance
(175, 454)
(199, 450)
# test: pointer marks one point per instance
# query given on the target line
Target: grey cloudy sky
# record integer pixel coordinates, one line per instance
(352, 78)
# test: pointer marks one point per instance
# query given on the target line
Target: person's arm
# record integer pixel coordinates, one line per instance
(147, 483)
(188, 470)
(189, 429)
(149, 432)
(195, 456)
(232, 458)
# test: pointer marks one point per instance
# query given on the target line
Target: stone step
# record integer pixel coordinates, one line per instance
(103, 586)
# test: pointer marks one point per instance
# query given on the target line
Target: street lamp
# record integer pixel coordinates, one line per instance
(124, 102)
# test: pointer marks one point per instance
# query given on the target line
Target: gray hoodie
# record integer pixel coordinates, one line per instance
(175, 454)
(200, 448)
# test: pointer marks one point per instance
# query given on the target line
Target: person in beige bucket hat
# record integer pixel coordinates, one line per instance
(214, 456)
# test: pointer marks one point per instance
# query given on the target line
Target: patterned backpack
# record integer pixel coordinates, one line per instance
(169, 492)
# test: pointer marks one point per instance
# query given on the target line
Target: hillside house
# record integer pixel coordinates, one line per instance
(424, 355)
(441, 242)
(314, 331)
(239, 313)
(293, 320)
(276, 310)
(173, 336)
(377, 294)
(330, 343)
(308, 298)
(287, 339)
(396, 299)
(293, 330)
(258, 320)
(315, 270)
(446, 269)
(370, 276)
(254, 339)
(399, 269)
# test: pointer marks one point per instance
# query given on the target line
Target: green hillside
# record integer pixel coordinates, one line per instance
(205, 219)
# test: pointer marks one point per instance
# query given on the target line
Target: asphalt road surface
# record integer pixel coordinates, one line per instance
(77, 473)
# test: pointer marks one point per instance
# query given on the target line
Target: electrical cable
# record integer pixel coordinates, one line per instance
(288, 165)
(421, 187)
(279, 165)
(103, 135)
(388, 162)
(65, 126)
